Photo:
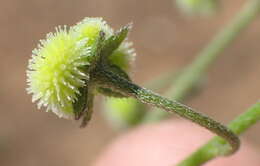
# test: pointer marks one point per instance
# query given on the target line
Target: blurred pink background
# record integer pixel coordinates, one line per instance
(165, 40)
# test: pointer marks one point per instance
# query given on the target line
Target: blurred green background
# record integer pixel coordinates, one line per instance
(165, 40)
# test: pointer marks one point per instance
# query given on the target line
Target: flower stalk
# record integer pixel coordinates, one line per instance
(108, 79)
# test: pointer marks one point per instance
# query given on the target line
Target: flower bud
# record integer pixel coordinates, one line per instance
(123, 112)
(203, 7)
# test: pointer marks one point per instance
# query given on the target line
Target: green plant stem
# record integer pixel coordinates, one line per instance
(218, 146)
(107, 79)
(195, 71)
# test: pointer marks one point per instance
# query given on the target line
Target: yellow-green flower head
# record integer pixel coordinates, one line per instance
(123, 56)
(58, 69)
(55, 71)
(89, 28)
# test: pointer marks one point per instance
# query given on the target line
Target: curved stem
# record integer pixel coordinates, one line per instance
(217, 146)
(108, 79)
(193, 73)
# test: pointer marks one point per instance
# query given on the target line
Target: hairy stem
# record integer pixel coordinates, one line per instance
(108, 79)
(193, 73)
(218, 146)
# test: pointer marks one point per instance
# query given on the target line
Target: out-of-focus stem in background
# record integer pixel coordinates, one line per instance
(194, 72)
(217, 146)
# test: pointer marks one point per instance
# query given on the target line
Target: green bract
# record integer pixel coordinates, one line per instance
(90, 27)
(58, 69)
